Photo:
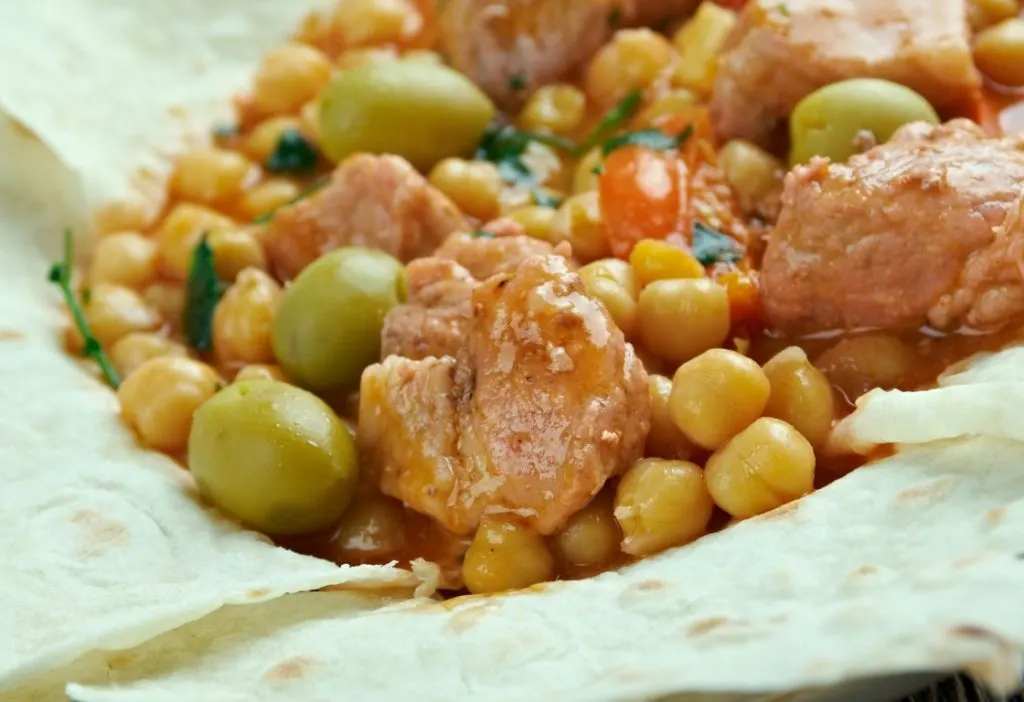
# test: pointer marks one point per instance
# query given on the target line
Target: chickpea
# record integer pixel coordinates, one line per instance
(754, 174)
(668, 104)
(134, 213)
(505, 556)
(556, 108)
(160, 397)
(125, 258)
(999, 52)
(180, 232)
(862, 363)
(621, 305)
(260, 371)
(591, 537)
(234, 250)
(265, 136)
(244, 319)
(657, 260)
(267, 197)
(680, 319)
(660, 504)
(353, 58)
(584, 178)
(372, 529)
(378, 21)
(132, 350)
(537, 221)
(579, 219)
(800, 395)
(168, 299)
(984, 13)
(664, 440)
(211, 175)
(699, 42)
(613, 269)
(630, 61)
(114, 311)
(289, 76)
(766, 465)
(716, 396)
(474, 186)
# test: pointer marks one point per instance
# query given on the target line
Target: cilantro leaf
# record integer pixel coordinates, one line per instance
(504, 146)
(543, 199)
(293, 154)
(60, 274)
(517, 82)
(481, 234)
(710, 246)
(612, 121)
(202, 293)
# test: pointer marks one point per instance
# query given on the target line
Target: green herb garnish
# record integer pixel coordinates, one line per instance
(505, 145)
(310, 189)
(481, 234)
(517, 81)
(60, 274)
(611, 122)
(202, 293)
(293, 154)
(543, 199)
(225, 131)
(648, 138)
(710, 246)
(784, 10)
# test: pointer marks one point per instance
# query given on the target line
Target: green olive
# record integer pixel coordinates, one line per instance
(423, 112)
(328, 324)
(275, 457)
(828, 121)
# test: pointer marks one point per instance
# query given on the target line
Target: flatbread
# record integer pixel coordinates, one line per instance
(104, 545)
(910, 565)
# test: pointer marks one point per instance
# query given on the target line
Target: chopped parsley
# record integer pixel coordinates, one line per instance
(649, 138)
(612, 121)
(784, 10)
(60, 275)
(710, 246)
(293, 154)
(202, 293)
(312, 188)
(504, 146)
(517, 82)
(225, 131)
(481, 234)
(543, 199)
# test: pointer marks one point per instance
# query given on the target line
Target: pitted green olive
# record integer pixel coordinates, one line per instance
(421, 111)
(274, 456)
(829, 121)
(328, 325)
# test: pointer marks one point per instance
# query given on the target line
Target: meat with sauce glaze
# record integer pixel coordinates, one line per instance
(544, 403)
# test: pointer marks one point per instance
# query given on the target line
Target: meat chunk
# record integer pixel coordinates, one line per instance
(655, 12)
(510, 46)
(375, 201)
(924, 228)
(542, 405)
(781, 51)
(434, 321)
(484, 256)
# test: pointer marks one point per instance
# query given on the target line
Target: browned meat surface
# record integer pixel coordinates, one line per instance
(509, 47)
(781, 51)
(924, 228)
(655, 12)
(542, 405)
(375, 201)
(434, 321)
(485, 256)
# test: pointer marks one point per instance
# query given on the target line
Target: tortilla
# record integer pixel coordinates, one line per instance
(105, 545)
(907, 566)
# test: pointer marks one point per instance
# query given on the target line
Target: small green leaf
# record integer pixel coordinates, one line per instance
(86, 296)
(784, 10)
(202, 293)
(293, 154)
(481, 234)
(543, 199)
(225, 131)
(649, 138)
(517, 82)
(710, 246)
(598, 168)
(60, 274)
(612, 121)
